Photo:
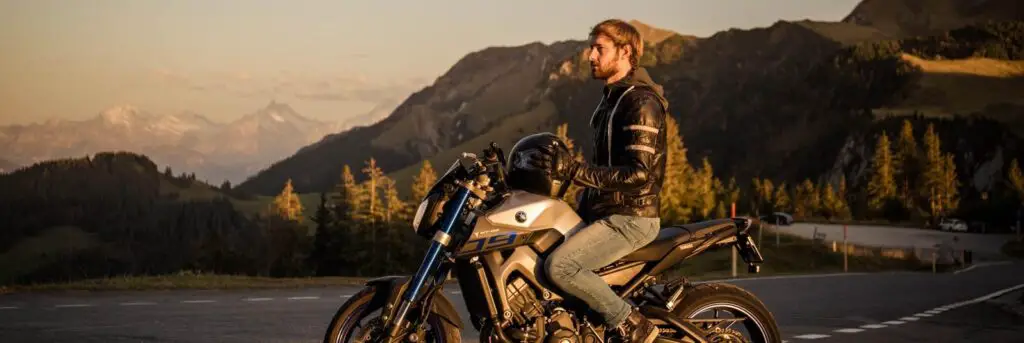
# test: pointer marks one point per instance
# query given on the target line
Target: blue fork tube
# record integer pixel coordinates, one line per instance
(432, 259)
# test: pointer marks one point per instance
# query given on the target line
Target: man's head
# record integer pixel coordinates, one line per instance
(615, 49)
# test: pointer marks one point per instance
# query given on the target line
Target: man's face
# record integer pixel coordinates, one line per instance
(605, 59)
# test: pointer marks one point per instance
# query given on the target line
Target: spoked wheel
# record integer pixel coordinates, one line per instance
(358, 320)
(727, 314)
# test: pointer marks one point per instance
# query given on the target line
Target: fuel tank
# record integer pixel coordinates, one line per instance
(523, 218)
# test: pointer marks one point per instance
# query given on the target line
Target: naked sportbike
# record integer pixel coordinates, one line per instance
(493, 239)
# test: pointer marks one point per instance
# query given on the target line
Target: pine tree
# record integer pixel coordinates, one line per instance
(346, 199)
(881, 187)
(394, 207)
(807, 200)
(325, 241)
(1015, 180)
(422, 182)
(906, 165)
(782, 201)
(933, 172)
(705, 185)
(676, 205)
(287, 204)
(374, 211)
(950, 193)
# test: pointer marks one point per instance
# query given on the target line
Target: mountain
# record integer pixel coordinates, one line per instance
(778, 102)
(183, 141)
(905, 18)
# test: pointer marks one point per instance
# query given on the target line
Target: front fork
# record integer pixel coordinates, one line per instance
(431, 262)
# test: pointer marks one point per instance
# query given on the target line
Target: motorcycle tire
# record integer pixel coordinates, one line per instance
(712, 295)
(361, 304)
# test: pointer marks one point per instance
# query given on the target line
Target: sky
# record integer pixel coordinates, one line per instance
(328, 59)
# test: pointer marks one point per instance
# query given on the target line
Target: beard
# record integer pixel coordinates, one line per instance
(599, 72)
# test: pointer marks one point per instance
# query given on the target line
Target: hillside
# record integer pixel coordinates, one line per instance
(787, 84)
(907, 18)
(116, 213)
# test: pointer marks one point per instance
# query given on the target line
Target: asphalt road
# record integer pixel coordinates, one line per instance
(884, 236)
(807, 308)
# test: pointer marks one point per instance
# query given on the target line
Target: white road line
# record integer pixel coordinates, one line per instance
(852, 330)
(909, 319)
(872, 326)
(8, 307)
(74, 305)
(933, 311)
(258, 299)
(812, 336)
(893, 322)
(781, 277)
(982, 265)
(137, 304)
(346, 296)
(198, 301)
(303, 298)
(985, 297)
(924, 314)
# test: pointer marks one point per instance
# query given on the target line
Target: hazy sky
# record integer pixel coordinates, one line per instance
(329, 59)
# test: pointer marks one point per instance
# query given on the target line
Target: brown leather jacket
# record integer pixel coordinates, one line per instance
(626, 172)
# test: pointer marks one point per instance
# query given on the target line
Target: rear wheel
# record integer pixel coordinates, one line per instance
(749, 319)
(358, 320)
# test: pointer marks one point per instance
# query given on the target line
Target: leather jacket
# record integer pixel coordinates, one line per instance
(626, 172)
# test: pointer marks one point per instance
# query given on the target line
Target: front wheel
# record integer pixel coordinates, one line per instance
(358, 320)
(747, 312)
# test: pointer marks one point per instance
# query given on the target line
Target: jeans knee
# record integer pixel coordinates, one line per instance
(559, 269)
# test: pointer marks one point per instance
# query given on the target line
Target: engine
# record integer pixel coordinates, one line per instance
(535, 321)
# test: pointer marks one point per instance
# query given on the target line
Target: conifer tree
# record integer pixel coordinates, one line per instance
(906, 165)
(346, 198)
(287, 204)
(705, 186)
(950, 194)
(782, 201)
(881, 186)
(1015, 180)
(675, 192)
(933, 172)
(422, 182)
(374, 211)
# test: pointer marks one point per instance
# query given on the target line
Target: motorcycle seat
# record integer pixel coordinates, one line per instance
(670, 237)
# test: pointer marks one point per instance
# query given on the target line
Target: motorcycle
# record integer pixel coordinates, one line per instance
(493, 238)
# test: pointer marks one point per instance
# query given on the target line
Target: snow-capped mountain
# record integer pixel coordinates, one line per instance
(187, 141)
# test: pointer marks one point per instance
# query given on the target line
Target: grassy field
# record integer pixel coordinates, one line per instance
(794, 255)
(959, 87)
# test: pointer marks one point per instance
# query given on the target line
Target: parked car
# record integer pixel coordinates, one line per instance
(952, 224)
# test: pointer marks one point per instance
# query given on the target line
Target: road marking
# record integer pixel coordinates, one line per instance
(74, 305)
(781, 277)
(198, 301)
(893, 322)
(258, 299)
(812, 336)
(924, 314)
(303, 298)
(982, 265)
(985, 297)
(8, 307)
(933, 311)
(346, 296)
(872, 326)
(854, 330)
(909, 319)
(137, 304)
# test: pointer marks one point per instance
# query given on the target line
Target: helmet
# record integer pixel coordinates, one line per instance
(523, 176)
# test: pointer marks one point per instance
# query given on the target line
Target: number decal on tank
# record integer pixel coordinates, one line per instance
(494, 242)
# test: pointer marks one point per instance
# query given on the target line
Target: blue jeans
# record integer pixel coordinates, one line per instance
(571, 265)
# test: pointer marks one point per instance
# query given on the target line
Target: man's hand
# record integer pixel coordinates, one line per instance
(559, 163)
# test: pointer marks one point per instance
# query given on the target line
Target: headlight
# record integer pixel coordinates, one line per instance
(419, 214)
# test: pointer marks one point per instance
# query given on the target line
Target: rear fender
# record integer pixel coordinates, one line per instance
(390, 288)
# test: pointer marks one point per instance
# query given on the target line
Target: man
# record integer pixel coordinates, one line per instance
(621, 199)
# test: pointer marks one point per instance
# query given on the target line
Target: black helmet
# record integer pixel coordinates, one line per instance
(522, 176)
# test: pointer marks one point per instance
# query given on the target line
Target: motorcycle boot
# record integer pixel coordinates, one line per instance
(637, 328)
